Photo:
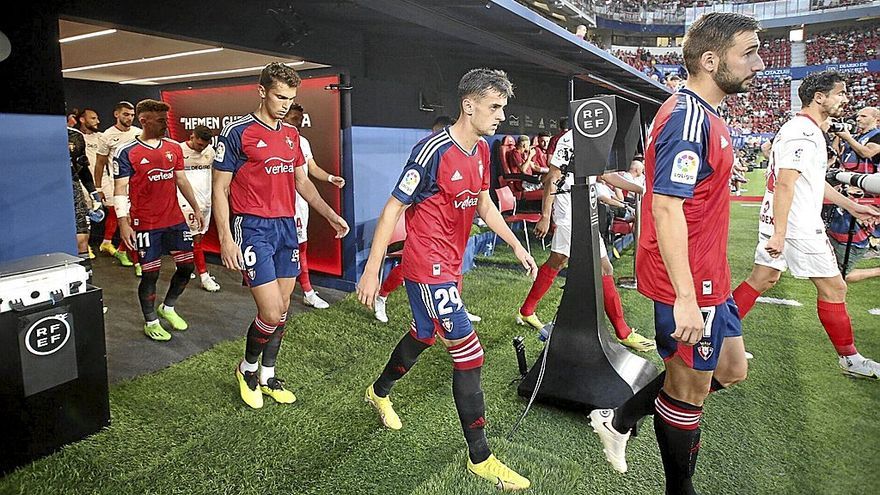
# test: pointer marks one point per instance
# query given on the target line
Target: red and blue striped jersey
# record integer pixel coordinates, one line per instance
(263, 160)
(442, 183)
(689, 155)
(152, 185)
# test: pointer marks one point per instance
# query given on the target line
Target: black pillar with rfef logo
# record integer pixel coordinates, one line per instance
(585, 366)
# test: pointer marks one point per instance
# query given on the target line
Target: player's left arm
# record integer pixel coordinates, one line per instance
(866, 213)
(867, 150)
(306, 189)
(190, 196)
(321, 174)
(490, 214)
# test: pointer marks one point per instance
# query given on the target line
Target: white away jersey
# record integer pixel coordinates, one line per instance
(799, 145)
(560, 158)
(198, 172)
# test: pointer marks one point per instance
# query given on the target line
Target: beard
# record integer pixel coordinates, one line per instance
(728, 83)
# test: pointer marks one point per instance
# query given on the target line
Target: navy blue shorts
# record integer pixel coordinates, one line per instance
(152, 244)
(269, 248)
(720, 321)
(437, 309)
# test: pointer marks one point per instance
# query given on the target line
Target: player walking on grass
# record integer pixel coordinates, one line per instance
(791, 229)
(559, 206)
(257, 171)
(682, 260)
(445, 181)
(147, 172)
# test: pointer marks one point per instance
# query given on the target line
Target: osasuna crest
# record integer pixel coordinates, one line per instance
(447, 325)
(169, 156)
(706, 350)
(252, 273)
(289, 142)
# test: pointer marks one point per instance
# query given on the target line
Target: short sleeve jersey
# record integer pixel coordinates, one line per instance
(301, 203)
(561, 156)
(263, 161)
(111, 139)
(442, 183)
(198, 173)
(689, 155)
(152, 187)
(799, 145)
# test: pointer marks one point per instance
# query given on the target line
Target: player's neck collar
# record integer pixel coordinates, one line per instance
(804, 114)
(703, 102)
(466, 152)
(144, 142)
(267, 126)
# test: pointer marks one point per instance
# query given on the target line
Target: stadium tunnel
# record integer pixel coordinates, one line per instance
(401, 59)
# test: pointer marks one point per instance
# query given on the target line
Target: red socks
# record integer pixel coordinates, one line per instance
(304, 268)
(613, 308)
(199, 257)
(745, 296)
(392, 281)
(838, 325)
(542, 284)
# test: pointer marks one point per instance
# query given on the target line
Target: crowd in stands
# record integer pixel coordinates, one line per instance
(832, 47)
(644, 60)
(863, 90)
(776, 52)
(763, 109)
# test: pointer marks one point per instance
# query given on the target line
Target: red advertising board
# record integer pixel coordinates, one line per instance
(216, 106)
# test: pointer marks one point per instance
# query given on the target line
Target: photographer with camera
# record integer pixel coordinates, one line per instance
(861, 154)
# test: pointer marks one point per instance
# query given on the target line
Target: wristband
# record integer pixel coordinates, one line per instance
(120, 204)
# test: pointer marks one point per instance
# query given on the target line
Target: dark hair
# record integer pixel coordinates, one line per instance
(818, 82)
(476, 82)
(296, 107)
(202, 132)
(123, 104)
(563, 124)
(276, 72)
(714, 32)
(149, 105)
(543, 134)
(80, 113)
(443, 121)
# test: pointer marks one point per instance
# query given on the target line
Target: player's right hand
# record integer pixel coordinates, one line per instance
(126, 233)
(230, 253)
(542, 227)
(774, 245)
(368, 289)
(688, 321)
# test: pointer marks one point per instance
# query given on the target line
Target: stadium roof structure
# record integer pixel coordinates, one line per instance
(333, 32)
(504, 29)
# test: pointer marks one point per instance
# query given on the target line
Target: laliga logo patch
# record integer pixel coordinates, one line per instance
(705, 349)
(409, 181)
(593, 118)
(480, 163)
(684, 167)
(221, 152)
(594, 197)
(48, 335)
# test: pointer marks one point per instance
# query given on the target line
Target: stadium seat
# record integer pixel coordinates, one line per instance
(507, 207)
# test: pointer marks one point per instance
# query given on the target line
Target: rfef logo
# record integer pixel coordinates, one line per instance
(593, 118)
(48, 335)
